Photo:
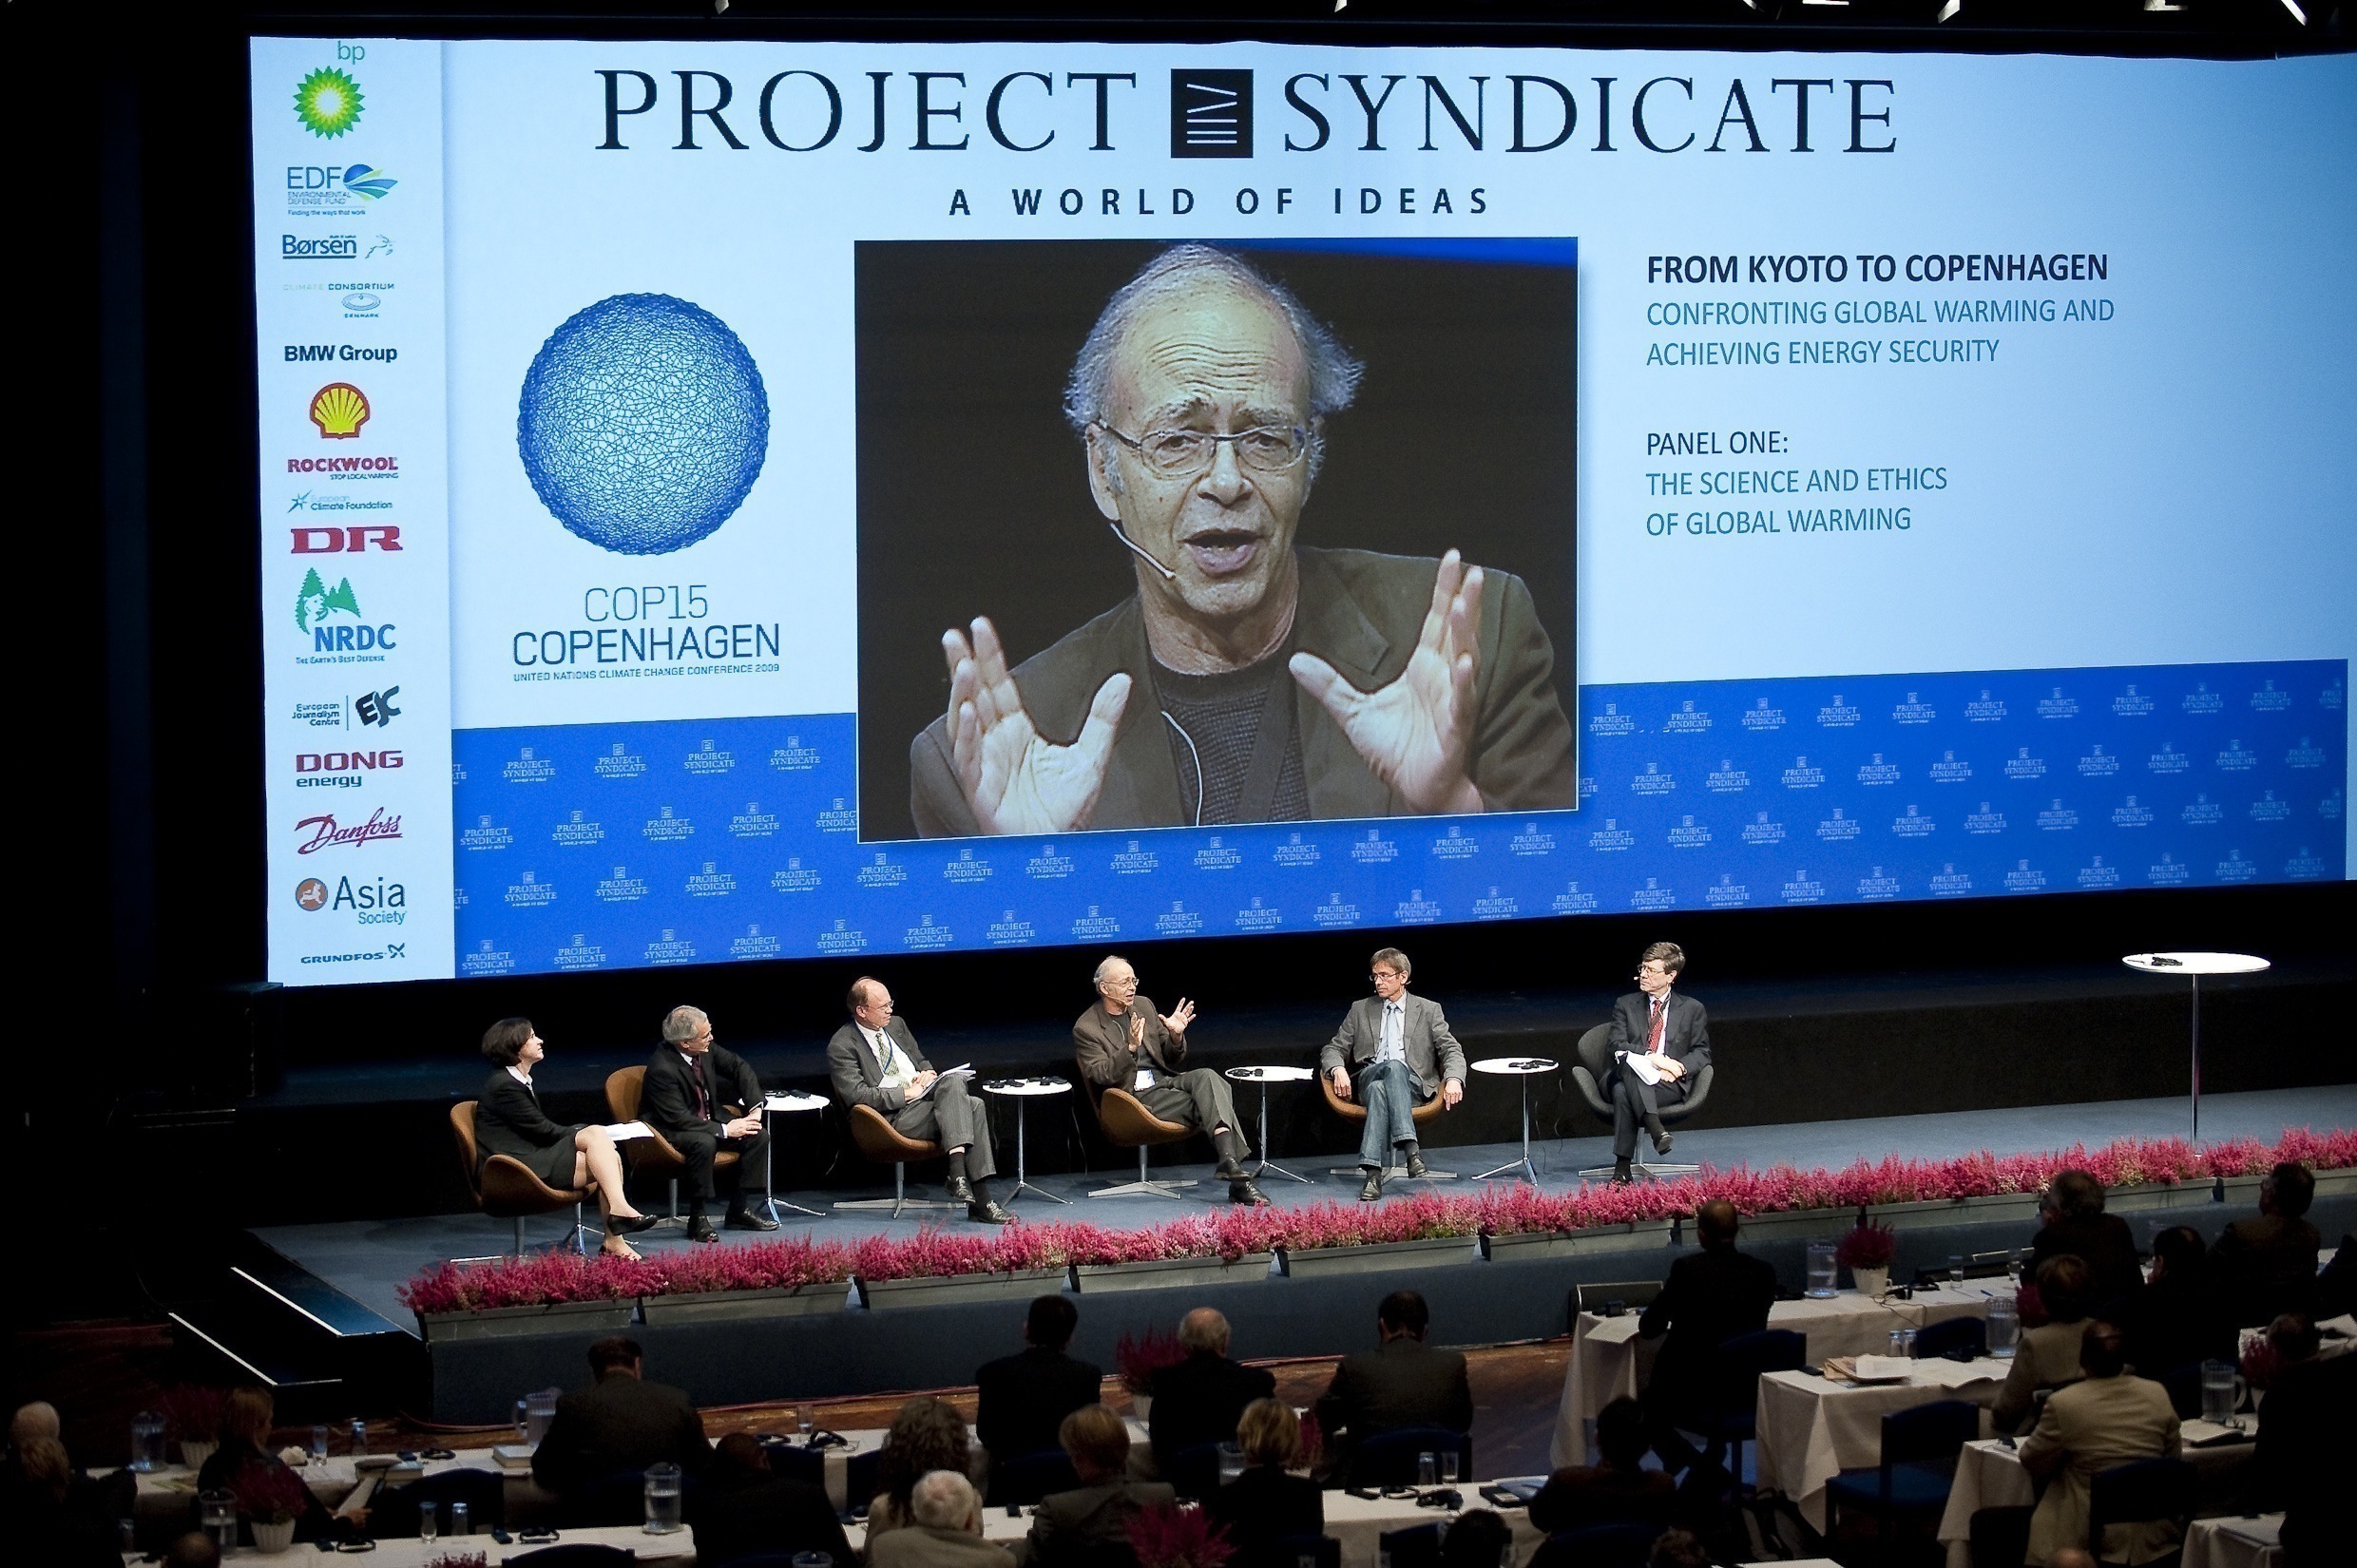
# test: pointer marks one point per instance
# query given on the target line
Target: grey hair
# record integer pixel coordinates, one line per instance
(1106, 963)
(680, 1024)
(943, 1500)
(1204, 1329)
(1333, 372)
(1393, 957)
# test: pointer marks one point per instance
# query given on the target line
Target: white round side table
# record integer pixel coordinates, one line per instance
(1525, 1069)
(1264, 1077)
(2193, 966)
(785, 1102)
(1022, 1091)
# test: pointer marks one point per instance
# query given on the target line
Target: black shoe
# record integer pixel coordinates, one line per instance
(987, 1212)
(961, 1190)
(1242, 1191)
(618, 1227)
(1415, 1162)
(699, 1229)
(749, 1219)
(1661, 1141)
(1229, 1170)
(1620, 1177)
(1371, 1188)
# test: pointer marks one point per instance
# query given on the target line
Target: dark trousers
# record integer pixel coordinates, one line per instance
(948, 1116)
(1199, 1097)
(1632, 1101)
(699, 1148)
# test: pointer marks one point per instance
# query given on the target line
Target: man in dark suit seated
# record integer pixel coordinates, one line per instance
(619, 1424)
(1025, 1396)
(1673, 1035)
(2308, 1448)
(1620, 1491)
(2074, 1221)
(1709, 1297)
(2181, 1317)
(874, 1060)
(691, 1088)
(2268, 1266)
(1071, 1525)
(1401, 1383)
(1199, 1400)
(744, 1508)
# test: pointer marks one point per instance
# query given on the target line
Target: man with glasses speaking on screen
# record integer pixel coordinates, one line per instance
(1247, 680)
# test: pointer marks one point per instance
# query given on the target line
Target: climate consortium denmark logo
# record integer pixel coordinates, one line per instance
(328, 101)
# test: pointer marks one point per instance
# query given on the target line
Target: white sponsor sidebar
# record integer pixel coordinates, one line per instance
(348, 268)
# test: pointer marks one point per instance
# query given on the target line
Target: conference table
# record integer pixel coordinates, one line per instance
(2250, 1540)
(1989, 1475)
(1812, 1428)
(675, 1550)
(1609, 1362)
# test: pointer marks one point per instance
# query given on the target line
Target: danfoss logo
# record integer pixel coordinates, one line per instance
(327, 833)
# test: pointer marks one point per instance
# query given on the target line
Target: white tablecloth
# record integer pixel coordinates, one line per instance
(1989, 1475)
(2249, 1542)
(1813, 1429)
(676, 1550)
(1608, 1362)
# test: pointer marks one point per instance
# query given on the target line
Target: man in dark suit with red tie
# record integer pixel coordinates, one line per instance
(691, 1086)
(1673, 1033)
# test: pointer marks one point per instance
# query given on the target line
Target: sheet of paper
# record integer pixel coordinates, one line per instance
(622, 1132)
(1641, 1064)
(1943, 1373)
(1884, 1368)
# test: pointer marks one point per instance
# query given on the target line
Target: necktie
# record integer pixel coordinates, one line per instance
(1653, 1041)
(884, 1051)
(703, 1099)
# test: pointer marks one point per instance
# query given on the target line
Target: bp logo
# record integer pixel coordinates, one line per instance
(642, 424)
(328, 101)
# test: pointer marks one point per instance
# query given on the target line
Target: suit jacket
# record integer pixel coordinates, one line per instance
(925, 1546)
(1580, 1494)
(2098, 1422)
(1100, 1046)
(2266, 1265)
(2306, 1454)
(2106, 1244)
(668, 1103)
(1025, 1396)
(1362, 613)
(1200, 1400)
(620, 1422)
(1068, 1523)
(2047, 1357)
(1401, 1383)
(1685, 1033)
(858, 1076)
(1709, 1297)
(509, 1121)
(776, 1515)
(2175, 1322)
(1265, 1505)
(1433, 1054)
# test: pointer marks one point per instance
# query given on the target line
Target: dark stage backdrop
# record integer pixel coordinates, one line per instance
(973, 491)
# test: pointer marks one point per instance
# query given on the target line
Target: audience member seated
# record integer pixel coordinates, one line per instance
(2307, 1450)
(2336, 1283)
(50, 1515)
(1679, 1548)
(2075, 1222)
(1070, 1527)
(30, 1424)
(2268, 1266)
(927, 1434)
(2105, 1419)
(1199, 1400)
(1025, 1396)
(193, 1549)
(1618, 1491)
(2047, 1356)
(744, 1508)
(244, 1453)
(2179, 1319)
(1403, 1382)
(945, 1529)
(620, 1424)
(1709, 1297)
(1267, 1504)
(1479, 1538)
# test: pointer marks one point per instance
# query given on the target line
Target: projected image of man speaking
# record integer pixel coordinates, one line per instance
(1248, 678)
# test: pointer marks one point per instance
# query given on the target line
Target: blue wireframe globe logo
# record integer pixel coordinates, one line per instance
(643, 423)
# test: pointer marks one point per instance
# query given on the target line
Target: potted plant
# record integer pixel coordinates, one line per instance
(192, 1412)
(1228, 1248)
(1168, 1535)
(1138, 1357)
(1867, 1251)
(1523, 1222)
(939, 1267)
(562, 1293)
(272, 1498)
(792, 1277)
(1329, 1238)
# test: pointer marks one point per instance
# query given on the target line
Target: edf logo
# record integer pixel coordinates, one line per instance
(382, 536)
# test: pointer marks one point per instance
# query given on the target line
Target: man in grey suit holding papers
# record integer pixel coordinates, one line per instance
(1395, 1052)
(1671, 1035)
(873, 1061)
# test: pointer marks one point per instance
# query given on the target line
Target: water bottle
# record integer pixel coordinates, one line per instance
(1908, 1344)
(146, 1442)
(1230, 1462)
(219, 1511)
(1428, 1469)
(360, 1437)
(319, 1444)
(1823, 1270)
(2004, 1327)
(522, 1422)
(462, 1519)
(539, 1411)
(663, 1498)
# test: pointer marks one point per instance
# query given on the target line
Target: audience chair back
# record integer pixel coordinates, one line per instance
(1389, 1459)
(1742, 1361)
(505, 1188)
(394, 1512)
(1597, 1546)
(653, 1154)
(1634, 1295)
(1023, 1478)
(1352, 1111)
(1290, 1552)
(1418, 1546)
(1918, 1467)
(1594, 1069)
(2144, 1491)
(1951, 1335)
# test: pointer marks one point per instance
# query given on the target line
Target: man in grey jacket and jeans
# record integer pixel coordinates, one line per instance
(1394, 1051)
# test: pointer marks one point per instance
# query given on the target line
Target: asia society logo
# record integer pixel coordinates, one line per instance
(339, 408)
(374, 902)
(328, 101)
(1211, 114)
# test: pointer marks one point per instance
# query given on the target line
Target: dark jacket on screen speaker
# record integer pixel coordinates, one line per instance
(621, 1423)
(1025, 1396)
(1362, 613)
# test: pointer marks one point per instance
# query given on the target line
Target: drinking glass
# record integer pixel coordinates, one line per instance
(2220, 1391)
(319, 1444)
(1230, 1462)
(462, 1519)
(1823, 1271)
(429, 1521)
(2004, 1327)
(1898, 1342)
(803, 1419)
(1906, 1343)
(1428, 1469)
(146, 1442)
(219, 1511)
(1448, 1466)
(1956, 1268)
(522, 1418)
(359, 1436)
(663, 1498)
(539, 1411)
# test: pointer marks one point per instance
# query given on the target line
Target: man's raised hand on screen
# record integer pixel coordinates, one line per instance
(1416, 733)
(1015, 780)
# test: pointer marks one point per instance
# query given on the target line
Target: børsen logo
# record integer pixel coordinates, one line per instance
(325, 832)
(372, 903)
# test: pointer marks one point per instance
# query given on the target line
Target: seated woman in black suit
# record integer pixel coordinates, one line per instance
(246, 1420)
(1265, 1503)
(509, 1121)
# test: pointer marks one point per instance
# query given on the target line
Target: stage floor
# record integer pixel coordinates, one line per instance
(367, 1260)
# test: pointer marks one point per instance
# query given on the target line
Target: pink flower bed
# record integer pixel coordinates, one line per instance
(553, 1278)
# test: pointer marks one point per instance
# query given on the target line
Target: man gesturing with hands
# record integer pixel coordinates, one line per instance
(1248, 679)
(1122, 1042)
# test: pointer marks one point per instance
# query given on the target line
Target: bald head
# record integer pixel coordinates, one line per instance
(37, 1420)
(943, 1500)
(1715, 1223)
(1204, 1329)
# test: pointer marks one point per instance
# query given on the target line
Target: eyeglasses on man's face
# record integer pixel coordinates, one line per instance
(1183, 455)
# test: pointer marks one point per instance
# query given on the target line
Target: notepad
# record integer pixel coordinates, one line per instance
(622, 1132)
(1641, 1064)
(1883, 1368)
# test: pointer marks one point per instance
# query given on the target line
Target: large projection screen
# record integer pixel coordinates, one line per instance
(1889, 478)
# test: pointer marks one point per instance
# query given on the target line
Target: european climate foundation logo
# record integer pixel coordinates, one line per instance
(642, 424)
(328, 101)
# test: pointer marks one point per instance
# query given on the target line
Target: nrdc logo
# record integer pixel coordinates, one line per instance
(1211, 114)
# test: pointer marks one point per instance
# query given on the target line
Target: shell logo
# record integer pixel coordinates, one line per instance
(339, 408)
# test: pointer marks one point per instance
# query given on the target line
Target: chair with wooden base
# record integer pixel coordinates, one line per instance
(1355, 1114)
(505, 1187)
(885, 1145)
(654, 1154)
(1128, 1124)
